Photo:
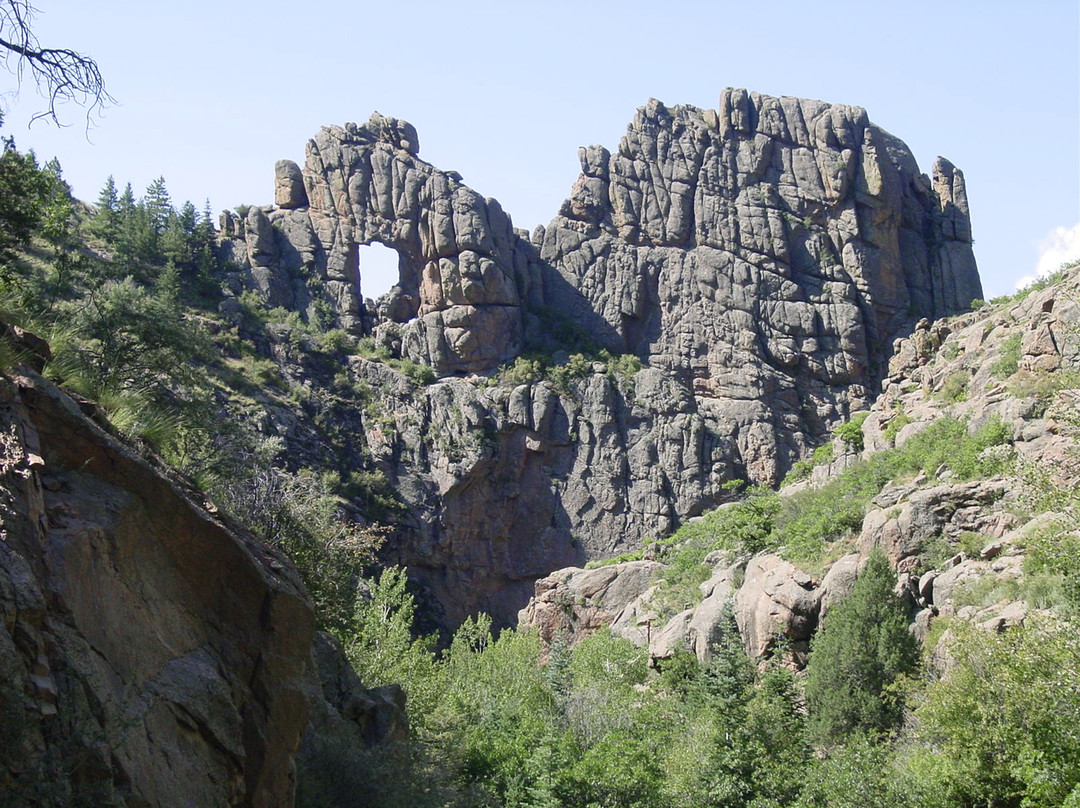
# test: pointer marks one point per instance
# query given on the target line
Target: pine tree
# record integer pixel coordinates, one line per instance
(106, 221)
(127, 226)
(158, 206)
(175, 242)
(863, 646)
(24, 190)
(204, 248)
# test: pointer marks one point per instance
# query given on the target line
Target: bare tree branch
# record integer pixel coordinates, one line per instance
(60, 74)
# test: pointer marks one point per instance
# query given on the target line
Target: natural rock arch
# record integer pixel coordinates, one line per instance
(463, 274)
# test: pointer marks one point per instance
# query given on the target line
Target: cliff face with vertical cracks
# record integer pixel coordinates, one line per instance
(758, 260)
(149, 654)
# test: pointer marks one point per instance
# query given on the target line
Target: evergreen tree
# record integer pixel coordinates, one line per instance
(204, 249)
(106, 221)
(176, 241)
(24, 192)
(863, 646)
(127, 227)
(158, 206)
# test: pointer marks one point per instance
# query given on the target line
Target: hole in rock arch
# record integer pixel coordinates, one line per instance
(378, 270)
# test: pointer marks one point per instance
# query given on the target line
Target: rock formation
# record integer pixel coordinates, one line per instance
(948, 540)
(149, 653)
(758, 260)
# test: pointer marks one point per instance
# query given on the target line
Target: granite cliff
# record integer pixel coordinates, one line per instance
(711, 301)
(963, 545)
(738, 276)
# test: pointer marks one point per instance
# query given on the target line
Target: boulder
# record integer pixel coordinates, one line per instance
(289, 185)
(573, 603)
(840, 580)
(775, 600)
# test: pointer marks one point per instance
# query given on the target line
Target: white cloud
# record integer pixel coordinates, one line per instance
(1060, 246)
(1027, 280)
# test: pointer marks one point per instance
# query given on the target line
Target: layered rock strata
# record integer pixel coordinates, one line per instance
(757, 259)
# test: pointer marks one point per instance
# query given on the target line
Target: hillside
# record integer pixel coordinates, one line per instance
(732, 433)
(963, 473)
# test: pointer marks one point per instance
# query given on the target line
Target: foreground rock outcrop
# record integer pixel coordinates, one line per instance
(150, 654)
(756, 261)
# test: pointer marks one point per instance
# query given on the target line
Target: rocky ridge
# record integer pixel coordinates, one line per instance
(151, 653)
(958, 547)
(756, 261)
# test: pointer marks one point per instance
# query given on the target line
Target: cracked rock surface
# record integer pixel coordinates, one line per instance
(758, 259)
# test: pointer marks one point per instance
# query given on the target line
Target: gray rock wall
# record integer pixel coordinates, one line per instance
(759, 259)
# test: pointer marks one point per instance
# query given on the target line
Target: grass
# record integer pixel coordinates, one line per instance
(633, 555)
(814, 525)
(1008, 359)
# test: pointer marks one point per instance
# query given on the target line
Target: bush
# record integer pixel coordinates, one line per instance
(336, 340)
(810, 520)
(523, 370)
(861, 649)
(298, 515)
(823, 454)
(420, 375)
(899, 420)
(1001, 727)
(851, 432)
(1008, 358)
(954, 388)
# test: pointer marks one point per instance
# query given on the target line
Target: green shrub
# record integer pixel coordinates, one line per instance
(851, 432)
(800, 470)
(578, 366)
(1008, 358)
(623, 366)
(1000, 728)
(811, 520)
(336, 340)
(899, 420)
(823, 454)
(861, 649)
(523, 370)
(1055, 551)
(420, 375)
(954, 387)
(1042, 386)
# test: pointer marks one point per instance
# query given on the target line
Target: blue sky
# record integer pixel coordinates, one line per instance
(211, 94)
